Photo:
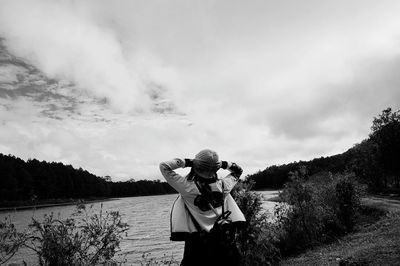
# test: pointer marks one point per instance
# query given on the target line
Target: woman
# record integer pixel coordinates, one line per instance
(202, 198)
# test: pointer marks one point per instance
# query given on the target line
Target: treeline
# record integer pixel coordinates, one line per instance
(276, 176)
(375, 161)
(39, 180)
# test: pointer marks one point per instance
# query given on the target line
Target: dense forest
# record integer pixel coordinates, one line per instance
(35, 180)
(375, 161)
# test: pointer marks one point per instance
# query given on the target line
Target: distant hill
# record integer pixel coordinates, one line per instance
(276, 176)
(39, 180)
(375, 161)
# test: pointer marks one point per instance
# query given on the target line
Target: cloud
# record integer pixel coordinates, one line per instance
(65, 43)
(125, 85)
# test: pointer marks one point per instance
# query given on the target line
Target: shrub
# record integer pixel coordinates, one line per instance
(301, 223)
(348, 194)
(321, 208)
(87, 239)
(10, 240)
(256, 241)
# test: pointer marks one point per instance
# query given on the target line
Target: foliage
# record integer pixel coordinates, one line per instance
(86, 239)
(276, 176)
(10, 240)
(255, 240)
(374, 160)
(375, 243)
(317, 208)
(365, 165)
(387, 117)
(321, 208)
(34, 181)
(386, 136)
(347, 195)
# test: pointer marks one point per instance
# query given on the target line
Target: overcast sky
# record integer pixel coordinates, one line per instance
(115, 87)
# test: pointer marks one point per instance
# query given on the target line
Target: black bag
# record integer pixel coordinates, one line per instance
(223, 230)
(222, 241)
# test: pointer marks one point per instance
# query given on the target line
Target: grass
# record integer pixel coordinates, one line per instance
(376, 240)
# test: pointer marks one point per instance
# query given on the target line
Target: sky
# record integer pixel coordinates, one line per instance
(116, 87)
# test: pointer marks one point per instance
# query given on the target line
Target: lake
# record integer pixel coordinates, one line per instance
(148, 218)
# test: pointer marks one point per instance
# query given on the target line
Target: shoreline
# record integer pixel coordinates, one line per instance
(59, 202)
(54, 204)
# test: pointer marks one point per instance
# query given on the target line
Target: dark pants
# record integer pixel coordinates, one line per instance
(199, 252)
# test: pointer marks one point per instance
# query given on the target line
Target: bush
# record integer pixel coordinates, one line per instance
(321, 208)
(316, 209)
(256, 241)
(88, 239)
(348, 201)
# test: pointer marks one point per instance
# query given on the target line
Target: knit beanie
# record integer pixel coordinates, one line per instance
(206, 163)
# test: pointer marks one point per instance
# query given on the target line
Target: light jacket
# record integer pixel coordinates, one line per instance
(180, 220)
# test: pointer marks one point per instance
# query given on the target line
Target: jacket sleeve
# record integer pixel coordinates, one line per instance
(175, 180)
(230, 180)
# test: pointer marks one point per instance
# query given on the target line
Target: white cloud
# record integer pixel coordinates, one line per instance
(65, 43)
(261, 82)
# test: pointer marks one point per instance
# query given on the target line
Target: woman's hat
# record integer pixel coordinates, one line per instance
(206, 163)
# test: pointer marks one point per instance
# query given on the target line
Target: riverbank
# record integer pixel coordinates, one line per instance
(374, 242)
(49, 203)
(25, 205)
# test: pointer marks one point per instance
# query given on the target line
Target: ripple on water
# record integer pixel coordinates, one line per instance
(148, 218)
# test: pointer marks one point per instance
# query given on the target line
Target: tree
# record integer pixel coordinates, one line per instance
(364, 163)
(386, 118)
(386, 135)
(22, 181)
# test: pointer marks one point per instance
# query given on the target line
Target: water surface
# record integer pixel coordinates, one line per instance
(148, 218)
